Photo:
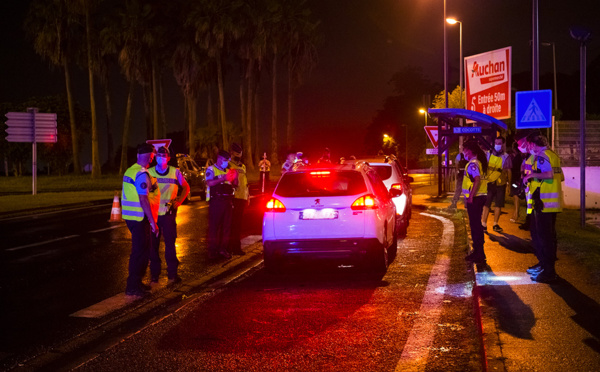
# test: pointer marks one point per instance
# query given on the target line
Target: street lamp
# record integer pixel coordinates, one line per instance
(453, 21)
(554, 68)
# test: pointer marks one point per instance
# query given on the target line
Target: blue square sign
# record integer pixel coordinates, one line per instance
(534, 109)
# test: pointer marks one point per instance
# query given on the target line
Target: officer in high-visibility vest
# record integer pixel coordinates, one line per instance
(545, 191)
(140, 202)
(523, 146)
(240, 200)
(170, 180)
(220, 183)
(265, 169)
(474, 189)
(499, 169)
(460, 162)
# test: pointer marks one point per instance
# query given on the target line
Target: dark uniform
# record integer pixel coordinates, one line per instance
(475, 208)
(545, 196)
(240, 200)
(138, 183)
(220, 200)
(170, 180)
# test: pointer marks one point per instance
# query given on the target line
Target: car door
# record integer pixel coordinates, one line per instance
(387, 210)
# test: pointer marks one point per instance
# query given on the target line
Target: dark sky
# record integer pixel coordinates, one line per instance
(364, 43)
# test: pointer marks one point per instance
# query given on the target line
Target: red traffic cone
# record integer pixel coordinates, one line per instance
(115, 214)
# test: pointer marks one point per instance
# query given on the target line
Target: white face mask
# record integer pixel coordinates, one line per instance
(523, 150)
(498, 148)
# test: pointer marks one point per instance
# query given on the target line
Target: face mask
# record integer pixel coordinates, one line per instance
(224, 164)
(161, 161)
(498, 148)
(523, 150)
(237, 158)
(532, 151)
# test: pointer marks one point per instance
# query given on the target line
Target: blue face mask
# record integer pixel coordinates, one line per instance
(162, 161)
(224, 164)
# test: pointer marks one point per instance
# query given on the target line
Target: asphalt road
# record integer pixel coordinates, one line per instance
(55, 264)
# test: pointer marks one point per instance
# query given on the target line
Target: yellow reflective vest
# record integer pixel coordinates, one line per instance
(494, 171)
(468, 179)
(169, 186)
(241, 191)
(223, 187)
(130, 200)
(527, 169)
(551, 188)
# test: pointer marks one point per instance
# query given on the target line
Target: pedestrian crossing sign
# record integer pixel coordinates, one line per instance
(533, 109)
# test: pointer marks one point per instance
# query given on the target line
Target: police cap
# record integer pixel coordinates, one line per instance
(145, 148)
(164, 150)
(224, 154)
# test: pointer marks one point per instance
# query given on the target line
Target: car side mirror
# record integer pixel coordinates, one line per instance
(410, 179)
(395, 192)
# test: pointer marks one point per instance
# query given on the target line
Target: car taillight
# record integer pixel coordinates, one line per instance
(364, 202)
(397, 186)
(275, 205)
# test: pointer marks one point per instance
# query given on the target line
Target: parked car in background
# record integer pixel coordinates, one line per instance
(193, 174)
(341, 212)
(394, 176)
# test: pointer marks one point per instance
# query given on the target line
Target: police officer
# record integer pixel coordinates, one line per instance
(265, 169)
(220, 191)
(499, 169)
(140, 200)
(474, 189)
(240, 200)
(289, 162)
(169, 180)
(546, 198)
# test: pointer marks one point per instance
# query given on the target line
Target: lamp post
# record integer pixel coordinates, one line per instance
(555, 93)
(582, 36)
(453, 21)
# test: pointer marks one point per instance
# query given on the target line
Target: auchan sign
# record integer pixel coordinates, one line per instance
(488, 83)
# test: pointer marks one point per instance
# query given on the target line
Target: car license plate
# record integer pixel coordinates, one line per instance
(319, 214)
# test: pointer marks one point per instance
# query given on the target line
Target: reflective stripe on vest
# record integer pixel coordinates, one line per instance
(527, 169)
(168, 184)
(130, 200)
(216, 172)
(468, 183)
(551, 189)
(494, 168)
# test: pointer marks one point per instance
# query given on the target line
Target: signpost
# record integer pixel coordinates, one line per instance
(533, 109)
(488, 83)
(31, 126)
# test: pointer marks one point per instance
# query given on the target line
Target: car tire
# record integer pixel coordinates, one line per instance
(378, 259)
(402, 228)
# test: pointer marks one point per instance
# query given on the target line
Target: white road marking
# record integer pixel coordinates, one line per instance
(42, 243)
(417, 347)
(107, 228)
(120, 300)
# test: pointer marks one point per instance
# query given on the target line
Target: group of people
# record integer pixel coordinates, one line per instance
(151, 198)
(540, 175)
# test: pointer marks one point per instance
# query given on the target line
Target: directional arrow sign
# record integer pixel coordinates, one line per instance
(26, 138)
(432, 133)
(29, 131)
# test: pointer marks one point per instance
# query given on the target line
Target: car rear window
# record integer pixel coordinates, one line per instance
(321, 183)
(384, 171)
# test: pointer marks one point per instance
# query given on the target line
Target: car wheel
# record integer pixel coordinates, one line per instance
(379, 259)
(402, 228)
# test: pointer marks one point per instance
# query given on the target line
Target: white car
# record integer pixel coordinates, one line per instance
(394, 177)
(336, 212)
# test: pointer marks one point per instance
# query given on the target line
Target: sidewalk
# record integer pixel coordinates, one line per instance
(528, 326)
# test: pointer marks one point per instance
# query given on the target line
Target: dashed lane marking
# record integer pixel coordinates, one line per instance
(42, 243)
(416, 350)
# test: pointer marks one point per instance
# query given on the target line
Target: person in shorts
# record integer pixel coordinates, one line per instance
(499, 172)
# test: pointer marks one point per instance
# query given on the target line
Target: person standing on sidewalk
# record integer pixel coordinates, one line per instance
(460, 163)
(219, 179)
(170, 180)
(265, 169)
(499, 169)
(516, 181)
(525, 148)
(546, 195)
(474, 189)
(140, 200)
(240, 200)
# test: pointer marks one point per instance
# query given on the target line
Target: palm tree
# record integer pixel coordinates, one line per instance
(216, 28)
(300, 35)
(54, 37)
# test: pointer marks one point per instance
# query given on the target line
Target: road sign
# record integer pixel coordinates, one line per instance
(534, 109)
(158, 143)
(432, 133)
(431, 151)
(488, 83)
(466, 130)
(21, 129)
